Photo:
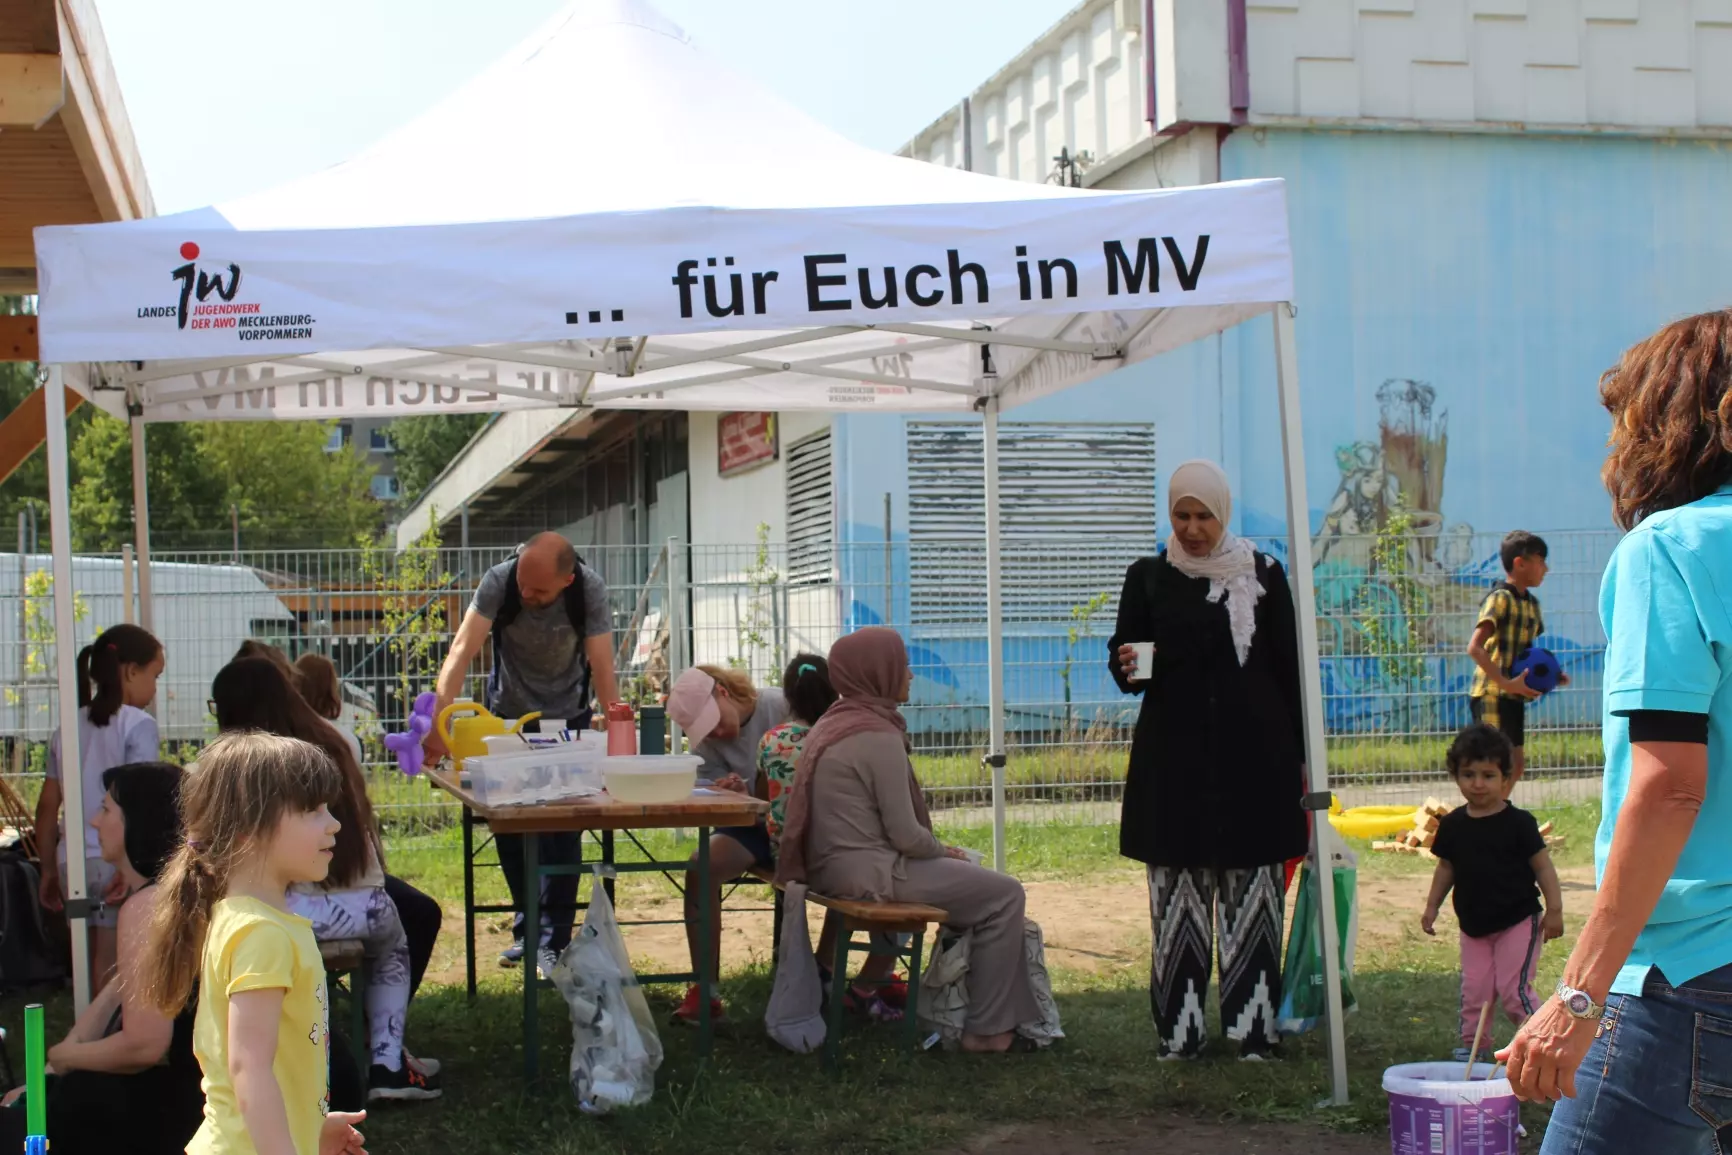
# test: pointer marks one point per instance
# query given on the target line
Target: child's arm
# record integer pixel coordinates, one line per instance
(48, 843)
(1442, 879)
(1547, 876)
(253, 1018)
(1515, 687)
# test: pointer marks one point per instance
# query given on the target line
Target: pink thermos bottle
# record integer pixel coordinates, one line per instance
(621, 730)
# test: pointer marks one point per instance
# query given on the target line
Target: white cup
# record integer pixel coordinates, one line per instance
(1145, 661)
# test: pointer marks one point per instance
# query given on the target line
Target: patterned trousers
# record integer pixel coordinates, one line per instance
(369, 915)
(1190, 909)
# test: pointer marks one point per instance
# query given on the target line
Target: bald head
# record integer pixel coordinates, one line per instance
(544, 568)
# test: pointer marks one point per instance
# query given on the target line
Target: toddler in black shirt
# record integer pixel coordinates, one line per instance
(1491, 854)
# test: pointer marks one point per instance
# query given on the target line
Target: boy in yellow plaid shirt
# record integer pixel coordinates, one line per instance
(1509, 622)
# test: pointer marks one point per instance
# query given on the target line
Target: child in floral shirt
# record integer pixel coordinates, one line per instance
(806, 685)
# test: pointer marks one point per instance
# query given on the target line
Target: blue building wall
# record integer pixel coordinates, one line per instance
(1459, 297)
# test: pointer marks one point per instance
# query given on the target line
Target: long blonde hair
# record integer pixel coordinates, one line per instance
(739, 686)
(231, 804)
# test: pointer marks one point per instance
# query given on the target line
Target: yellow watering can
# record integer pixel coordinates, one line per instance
(467, 737)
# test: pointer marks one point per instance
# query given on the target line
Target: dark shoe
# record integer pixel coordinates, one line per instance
(405, 1085)
(512, 955)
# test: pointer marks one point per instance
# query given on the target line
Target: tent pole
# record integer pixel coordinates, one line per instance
(141, 517)
(1311, 686)
(65, 660)
(995, 756)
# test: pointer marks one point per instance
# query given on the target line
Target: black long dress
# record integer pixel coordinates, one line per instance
(1215, 774)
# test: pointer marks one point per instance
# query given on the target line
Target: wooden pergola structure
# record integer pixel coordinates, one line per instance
(67, 156)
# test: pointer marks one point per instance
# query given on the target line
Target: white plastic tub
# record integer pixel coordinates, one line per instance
(648, 779)
(536, 776)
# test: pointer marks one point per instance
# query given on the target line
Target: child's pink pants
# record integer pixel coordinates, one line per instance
(1499, 969)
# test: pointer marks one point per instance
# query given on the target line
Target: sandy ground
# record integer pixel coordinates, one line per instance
(1174, 1135)
(1097, 926)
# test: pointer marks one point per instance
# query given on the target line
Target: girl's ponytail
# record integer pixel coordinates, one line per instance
(187, 890)
(101, 686)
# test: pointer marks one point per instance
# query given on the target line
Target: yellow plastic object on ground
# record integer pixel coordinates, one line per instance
(1372, 821)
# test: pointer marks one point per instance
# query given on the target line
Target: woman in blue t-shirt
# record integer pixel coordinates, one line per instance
(1637, 1040)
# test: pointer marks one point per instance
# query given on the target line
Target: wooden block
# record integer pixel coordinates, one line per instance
(1546, 829)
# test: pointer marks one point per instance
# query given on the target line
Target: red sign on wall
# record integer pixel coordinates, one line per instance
(744, 441)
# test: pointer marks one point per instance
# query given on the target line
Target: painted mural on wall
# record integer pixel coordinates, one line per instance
(1399, 585)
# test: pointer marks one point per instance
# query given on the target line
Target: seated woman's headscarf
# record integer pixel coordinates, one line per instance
(1231, 566)
(867, 668)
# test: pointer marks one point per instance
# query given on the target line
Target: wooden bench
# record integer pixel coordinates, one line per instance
(859, 916)
(347, 957)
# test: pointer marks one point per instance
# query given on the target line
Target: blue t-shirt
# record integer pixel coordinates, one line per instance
(1666, 605)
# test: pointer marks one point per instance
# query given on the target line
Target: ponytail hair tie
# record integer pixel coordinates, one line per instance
(194, 845)
(805, 668)
(112, 648)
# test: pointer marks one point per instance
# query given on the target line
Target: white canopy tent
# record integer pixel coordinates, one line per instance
(741, 257)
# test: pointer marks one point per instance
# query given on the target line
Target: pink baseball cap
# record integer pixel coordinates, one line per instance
(692, 704)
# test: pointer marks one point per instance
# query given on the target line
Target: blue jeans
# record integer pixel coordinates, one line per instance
(1658, 1078)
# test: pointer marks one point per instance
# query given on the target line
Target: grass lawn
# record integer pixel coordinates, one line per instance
(752, 1097)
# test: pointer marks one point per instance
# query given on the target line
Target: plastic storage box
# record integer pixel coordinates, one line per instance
(537, 775)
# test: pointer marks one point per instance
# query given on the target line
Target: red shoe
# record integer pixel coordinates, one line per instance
(687, 1011)
(895, 994)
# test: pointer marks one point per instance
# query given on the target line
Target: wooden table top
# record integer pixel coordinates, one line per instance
(601, 812)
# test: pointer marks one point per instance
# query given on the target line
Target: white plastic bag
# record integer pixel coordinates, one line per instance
(795, 1016)
(614, 1046)
(944, 988)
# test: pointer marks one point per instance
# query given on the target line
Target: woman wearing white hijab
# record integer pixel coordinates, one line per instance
(1212, 795)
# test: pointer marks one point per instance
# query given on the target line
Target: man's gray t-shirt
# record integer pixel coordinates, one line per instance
(739, 754)
(543, 665)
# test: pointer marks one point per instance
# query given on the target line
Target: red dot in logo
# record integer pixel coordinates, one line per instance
(189, 251)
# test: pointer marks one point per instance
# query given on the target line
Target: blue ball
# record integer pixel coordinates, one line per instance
(1540, 666)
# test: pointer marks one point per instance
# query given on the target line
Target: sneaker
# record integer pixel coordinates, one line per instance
(511, 955)
(429, 1068)
(1167, 1056)
(545, 961)
(1460, 1054)
(687, 1011)
(405, 1084)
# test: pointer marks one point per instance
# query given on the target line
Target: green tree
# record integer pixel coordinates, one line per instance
(28, 485)
(288, 491)
(1393, 602)
(426, 445)
(412, 624)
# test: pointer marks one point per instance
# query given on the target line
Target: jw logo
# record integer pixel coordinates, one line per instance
(200, 285)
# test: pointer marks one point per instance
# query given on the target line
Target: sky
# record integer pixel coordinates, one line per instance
(229, 97)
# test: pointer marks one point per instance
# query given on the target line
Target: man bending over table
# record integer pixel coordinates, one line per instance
(552, 631)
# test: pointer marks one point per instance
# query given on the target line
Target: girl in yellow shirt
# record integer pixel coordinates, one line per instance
(257, 822)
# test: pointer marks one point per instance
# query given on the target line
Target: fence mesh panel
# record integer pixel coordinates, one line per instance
(1394, 616)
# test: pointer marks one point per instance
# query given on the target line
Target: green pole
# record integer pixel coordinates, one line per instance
(35, 1063)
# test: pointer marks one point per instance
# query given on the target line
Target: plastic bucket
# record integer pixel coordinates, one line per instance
(1433, 1111)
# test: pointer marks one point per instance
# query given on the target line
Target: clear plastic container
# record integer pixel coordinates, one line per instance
(536, 776)
(649, 779)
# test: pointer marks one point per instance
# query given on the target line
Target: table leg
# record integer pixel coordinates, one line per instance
(469, 899)
(607, 857)
(917, 947)
(531, 948)
(705, 987)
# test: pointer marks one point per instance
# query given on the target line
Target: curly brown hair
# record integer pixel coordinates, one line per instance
(1670, 398)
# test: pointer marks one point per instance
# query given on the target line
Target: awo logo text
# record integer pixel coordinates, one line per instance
(207, 301)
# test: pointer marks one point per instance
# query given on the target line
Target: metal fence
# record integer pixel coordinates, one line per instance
(1394, 618)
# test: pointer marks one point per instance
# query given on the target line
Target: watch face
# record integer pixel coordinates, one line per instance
(1578, 1003)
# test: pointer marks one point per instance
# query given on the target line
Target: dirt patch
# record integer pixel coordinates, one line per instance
(1097, 927)
(1173, 1135)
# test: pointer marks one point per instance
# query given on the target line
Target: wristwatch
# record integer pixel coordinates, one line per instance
(1579, 1004)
